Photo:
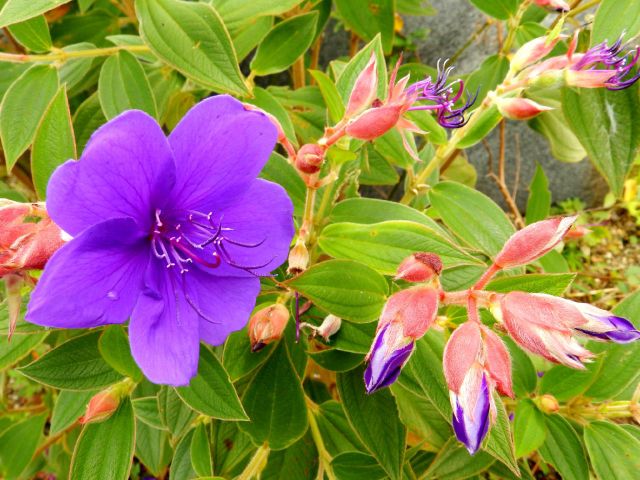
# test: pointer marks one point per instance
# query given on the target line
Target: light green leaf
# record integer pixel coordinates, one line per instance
(18, 443)
(348, 76)
(529, 429)
(612, 450)
(87, 119)
(369, 18)
(146, 410)
(500, 442)
(552, 283)
(192, 38)
(330, 94)
(238, 11)
(248, 35)
(19, 347)
(15, 11)
(563, 449)
(200, 452)
(54, 142)
(181, 468)
(114, 347)
(539, 201)
(500, 9)
(33, 34)
(69, 407)
(613, 18)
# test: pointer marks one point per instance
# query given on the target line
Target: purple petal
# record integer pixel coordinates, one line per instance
(625, 331)
(471, 429)
(225, 304)
(219, 148)
(163, 331)
(126, 170)
(93, 280)
(384, 367)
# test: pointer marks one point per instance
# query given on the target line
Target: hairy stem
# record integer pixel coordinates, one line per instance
(62, 56)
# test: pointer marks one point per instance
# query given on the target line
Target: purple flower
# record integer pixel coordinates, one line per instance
(472, 424)
(390, 351)
(171, 232)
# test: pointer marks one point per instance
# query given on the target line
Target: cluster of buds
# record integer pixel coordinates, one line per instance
(267, 325)
(28, 238)
(476, 361)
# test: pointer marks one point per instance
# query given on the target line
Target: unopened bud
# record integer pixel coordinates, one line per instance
(549, 404)
(557, 5)
(518, 108)
(309, 158)
(267, 325)
(298, 258)
(374, 122)
(588, 78)
(419, 267)
(101, 406)
(329, 326)
(533, 51)
(365, 88)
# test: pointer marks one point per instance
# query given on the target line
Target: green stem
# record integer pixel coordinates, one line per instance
(323, 454)
(62, 56)
(256, 464)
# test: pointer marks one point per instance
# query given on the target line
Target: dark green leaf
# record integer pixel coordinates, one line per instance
(69, 407)
(357, 466)
(174, 413)
(300, 460)
(563, 449)
(18, 444)
(181, 468)
(152, 448)
(200, 453)
(453, 462)
(337, 434)
(238, 359)
(539, 201)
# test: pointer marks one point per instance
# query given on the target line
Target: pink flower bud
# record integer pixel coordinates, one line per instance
(419, 267)
(309, 158)
(518, 108)
(497, 362)
(414, 308)
(365, 88)
(533, 241)
(557, 5)
(533, 51)
(101, 406)
(267, 325)
(374, 122)
(463, 350)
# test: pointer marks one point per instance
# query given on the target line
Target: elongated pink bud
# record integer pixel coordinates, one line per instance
(518, 108)
(533, 241)
(462, 351)
(267, 325)
(533, 51)
(374, 122)
(497, 362)
(414, 308)
(419, 267)
(589, 78)
(101, 406)
(365, 89)
(557, 5)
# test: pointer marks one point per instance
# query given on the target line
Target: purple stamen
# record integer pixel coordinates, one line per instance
(618, 62)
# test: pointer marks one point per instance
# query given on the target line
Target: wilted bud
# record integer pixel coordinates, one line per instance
(533, 241)
(101, 406)
(518, 108)
(374, 122)
(419, 267)
(329, 326)
(298, 258)
(267, 325)
(28, 237)
(557, 5)
(549, 404)
(309, 158)
(533, 51)
(365, 88)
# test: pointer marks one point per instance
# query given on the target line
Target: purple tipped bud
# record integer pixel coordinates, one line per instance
(472, 424)
(606, 326)
(390, 352)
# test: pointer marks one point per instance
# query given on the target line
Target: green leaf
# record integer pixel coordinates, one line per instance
(15, 11)
(453, 462)
(566, 383)
(73, 365)
(237, 357)
(553, 125)
(248, 35)
(211, 391)
(69, 407)
(21, 110)
(613, 18)
(524, 373)
(357, 466)
(337, 434)
(152, 448)
(265, 100)
(529, 429)
(376, 169)
(500, 9)
(87, 119)
(491, 73)
(472, 216)
(181, 468)
(500, 442)
(539, 201)
(375, 420)
(191, 38)
(562, 449)
(114, 347)
(238, 11)
(481, 127)
(18, 443)
(74, 70)
(607, 124)
(347, 289)
(174, 413)
(284, 44)
(20, 346)
(54, 142)
(551, 283)
(200, 452)
(612, 450)
(337, 360)
(300, 460)
(105, 449)
(280, 171)
(124, 86)
(146, 410)
(369, 18)
(383, 246)
(275, 403)
(33, 34)
(348, 76)
(330, 94)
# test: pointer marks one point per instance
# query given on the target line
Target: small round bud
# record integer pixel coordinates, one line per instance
(549, 404)
(267, 325)
(309, 158)
(419, 267)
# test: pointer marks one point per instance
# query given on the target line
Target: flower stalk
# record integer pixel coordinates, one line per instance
(62, 56)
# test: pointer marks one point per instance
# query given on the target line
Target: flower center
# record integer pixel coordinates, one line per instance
(195, 237)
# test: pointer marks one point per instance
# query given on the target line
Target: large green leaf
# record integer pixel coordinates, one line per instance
(453, 462)
(529, 428)
(563, 449)
(613, 18)
(69, 407)
(275, 403)
(238, 11)
(33, 34)
(21, 110)
(551, 283)
(369, 18)
(73, 365)
(471, 215)
(501, 9)
(124, 86)
(347, 289)
(18, 444)
(19, 347)
(337, 434)
(211, 391)
(500, 442)
(383, 246)
(54, 142)
(105, 449)
(613, 451)
(192, 38)
(375, 420)
(284, 44)
(300, 460)
(15, 11)
(607, 123)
